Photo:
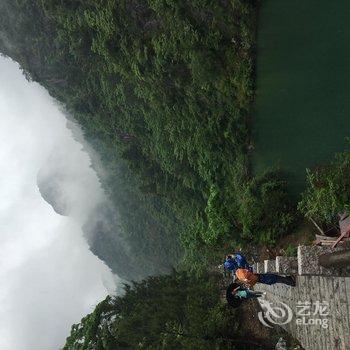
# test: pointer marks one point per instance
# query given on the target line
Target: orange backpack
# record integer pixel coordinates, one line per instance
(247, 277)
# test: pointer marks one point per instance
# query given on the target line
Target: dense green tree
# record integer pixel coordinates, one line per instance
(265, 211)
(328, 191)
(162, 90)
(169, 312)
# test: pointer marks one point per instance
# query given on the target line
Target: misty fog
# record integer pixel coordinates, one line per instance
(49, 278)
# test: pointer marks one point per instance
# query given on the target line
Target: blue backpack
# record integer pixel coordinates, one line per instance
(238, 261)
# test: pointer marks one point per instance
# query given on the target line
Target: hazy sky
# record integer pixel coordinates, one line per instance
(48, 277)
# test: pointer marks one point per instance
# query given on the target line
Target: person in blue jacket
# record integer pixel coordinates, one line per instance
(236, 261)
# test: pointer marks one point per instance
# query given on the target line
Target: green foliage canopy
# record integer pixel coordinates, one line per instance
(168, 312)
(328, 191)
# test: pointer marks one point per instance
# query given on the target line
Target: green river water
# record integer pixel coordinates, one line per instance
(302, 109)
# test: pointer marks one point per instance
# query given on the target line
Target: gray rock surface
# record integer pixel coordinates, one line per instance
(260, 267)
(286, 265)
(308, 261)
(269, 266)
(331, 294)
(318, 308)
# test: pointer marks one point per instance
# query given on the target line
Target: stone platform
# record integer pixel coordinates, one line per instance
(319, 304)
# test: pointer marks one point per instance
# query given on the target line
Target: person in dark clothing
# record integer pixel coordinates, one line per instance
(237, 294)
(270, 278)
(245, 293)
(231, 298)
(249, 278)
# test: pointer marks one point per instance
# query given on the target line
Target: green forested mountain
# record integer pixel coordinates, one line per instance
(162, 90)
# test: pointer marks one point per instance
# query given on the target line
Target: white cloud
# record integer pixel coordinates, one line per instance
(48, 277)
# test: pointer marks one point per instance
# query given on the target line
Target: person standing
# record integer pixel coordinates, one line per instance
(249, 278)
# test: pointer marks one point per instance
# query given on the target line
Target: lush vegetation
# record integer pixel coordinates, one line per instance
(168, 312)
(163, 91)
(328, 191)
(265, 208)
(291, 250)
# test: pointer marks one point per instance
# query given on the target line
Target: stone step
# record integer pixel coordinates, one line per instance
(308, 261)
(269, 266)
(259, 267)
(286, 265)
